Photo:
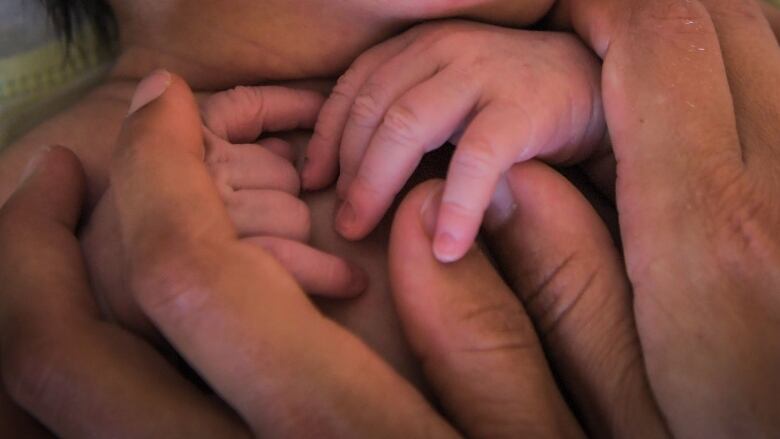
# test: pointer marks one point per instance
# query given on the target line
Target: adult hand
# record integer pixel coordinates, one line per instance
(79, 376)
(228, 307)
(259, 187)
(692, 104)
(240, 320)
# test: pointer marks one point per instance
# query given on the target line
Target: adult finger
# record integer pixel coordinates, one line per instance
(322, 153)
(15, 422)
(216, 298)
(317, 272)
(772, 13)
(752, 58)
(673, 129)
(242, 114)
(79, 376)
(420, 121)
(269, 212)
(462, 321)
(560, 260)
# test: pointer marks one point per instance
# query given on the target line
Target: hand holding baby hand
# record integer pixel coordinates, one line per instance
(502, 95)
(260, 186)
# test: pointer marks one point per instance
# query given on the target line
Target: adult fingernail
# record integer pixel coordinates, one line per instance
(446, 247)
(346, 218)
(34, 163)
(429, 211)
(149, 89)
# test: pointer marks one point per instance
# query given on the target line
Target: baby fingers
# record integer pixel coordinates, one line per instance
(264, 166)
(374, 172)
(242, 114)
(268, 212)
(319, 273)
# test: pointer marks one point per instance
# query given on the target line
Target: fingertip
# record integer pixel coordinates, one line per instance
(447, 248)
(358, 283)
(347, 222)
(149, 89)
(312, 177)
(455, 234)
(163, 114)
(52, 185)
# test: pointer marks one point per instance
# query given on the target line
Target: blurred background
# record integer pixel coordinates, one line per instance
(39, 73)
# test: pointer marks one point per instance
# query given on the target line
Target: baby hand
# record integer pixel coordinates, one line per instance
(501, 95)
(260, 185)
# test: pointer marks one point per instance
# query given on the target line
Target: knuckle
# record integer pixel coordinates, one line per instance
(494, 328)
(367, 109)
(401, 125)
(235, 201)
(738, 8)
(243, 96)
(171, 280)
(463, 209)
(443, 39)
(475, 159)
(218, 153)
(363, 182)
(744, 225)
(557, 292)
(675, 18)
(345, 87)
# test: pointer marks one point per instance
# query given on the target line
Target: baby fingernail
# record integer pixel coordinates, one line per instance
(446, 247)
(149, 89)
(346, 217)
(359, 281)
(429, 211)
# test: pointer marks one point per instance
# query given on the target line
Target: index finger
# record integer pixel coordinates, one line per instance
(242, 114)
(668, 105)
(231, 310)
(78, 375)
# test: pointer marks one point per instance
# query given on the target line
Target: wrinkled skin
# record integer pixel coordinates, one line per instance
(696, 336)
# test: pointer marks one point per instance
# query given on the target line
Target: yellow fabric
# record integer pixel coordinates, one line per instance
(38, 82)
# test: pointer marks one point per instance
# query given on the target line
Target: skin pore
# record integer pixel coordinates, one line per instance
(214, 47)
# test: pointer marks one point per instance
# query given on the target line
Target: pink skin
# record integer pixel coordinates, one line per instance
(260, 185)
(503, 96)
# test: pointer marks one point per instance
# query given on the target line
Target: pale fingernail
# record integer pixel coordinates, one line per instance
(429, 210)
(149, 89)
(345, 218)
(34, 163)
(446, 247)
